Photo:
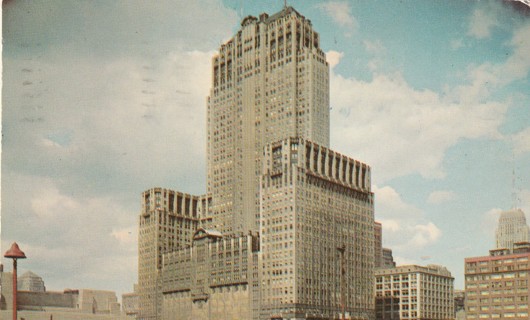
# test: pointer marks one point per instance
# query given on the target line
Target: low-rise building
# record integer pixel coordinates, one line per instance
(131, 302)
(414, 292)
(62, 305)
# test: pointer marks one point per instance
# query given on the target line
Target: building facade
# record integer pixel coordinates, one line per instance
(388, 259)
(512, 228)
(269, 82)
(167, 222)
(313, 202)
(215, 278)
(497, 286)
(414, 292)
(130, 303)
(286, 230)
(378, 245)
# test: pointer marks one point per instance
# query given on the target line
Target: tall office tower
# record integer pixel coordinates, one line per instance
(512, 228)
(269, 82)
(167, 222)
(317, 234)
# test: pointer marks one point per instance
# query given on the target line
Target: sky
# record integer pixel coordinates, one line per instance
(102, 100)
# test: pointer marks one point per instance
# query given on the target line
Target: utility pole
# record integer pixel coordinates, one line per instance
(341, 250)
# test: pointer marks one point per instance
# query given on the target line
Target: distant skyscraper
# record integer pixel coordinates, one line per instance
(512, 228)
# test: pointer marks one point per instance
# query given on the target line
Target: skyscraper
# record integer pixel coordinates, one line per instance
(269, 82)
(286, 229)
(512, 228)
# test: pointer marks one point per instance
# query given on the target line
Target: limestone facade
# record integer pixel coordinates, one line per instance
(263, 243)
(313, 202)
(269, 82)
(167, 222)
(216, 278)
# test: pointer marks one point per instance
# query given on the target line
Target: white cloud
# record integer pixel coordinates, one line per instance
(93, 120)
(521, 141)
(378, 51)
(341, 13)
(333, 58)
(400, 130)
(49, 203)
(441, 196)
(523, 197)
(126, 236)
(406, 229)
(63, 234)
(457, 44)
(489, 223)
(481, 23)
(425, 234)
(485, 78)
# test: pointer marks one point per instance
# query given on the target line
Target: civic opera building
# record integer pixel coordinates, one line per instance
(285, 229)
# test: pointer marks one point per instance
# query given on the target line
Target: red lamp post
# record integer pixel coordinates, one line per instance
(15, 253)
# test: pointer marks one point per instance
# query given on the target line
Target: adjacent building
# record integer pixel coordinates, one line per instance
(414, 292)
(130, 303)
(167, 222)
(497, 286)
(286, 228)
(388, 259)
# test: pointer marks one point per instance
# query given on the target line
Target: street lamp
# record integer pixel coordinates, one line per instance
(15, 253)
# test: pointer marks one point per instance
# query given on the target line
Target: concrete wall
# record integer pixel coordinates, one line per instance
(39, 300)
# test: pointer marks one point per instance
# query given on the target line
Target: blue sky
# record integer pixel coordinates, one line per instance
(103, 100)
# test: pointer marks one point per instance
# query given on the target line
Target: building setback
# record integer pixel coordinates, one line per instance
(167, 222)
(282, 214)
(414, 293)
(497, 285)
(269, 82)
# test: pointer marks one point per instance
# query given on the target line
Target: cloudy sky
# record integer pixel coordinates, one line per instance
(105, 99)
